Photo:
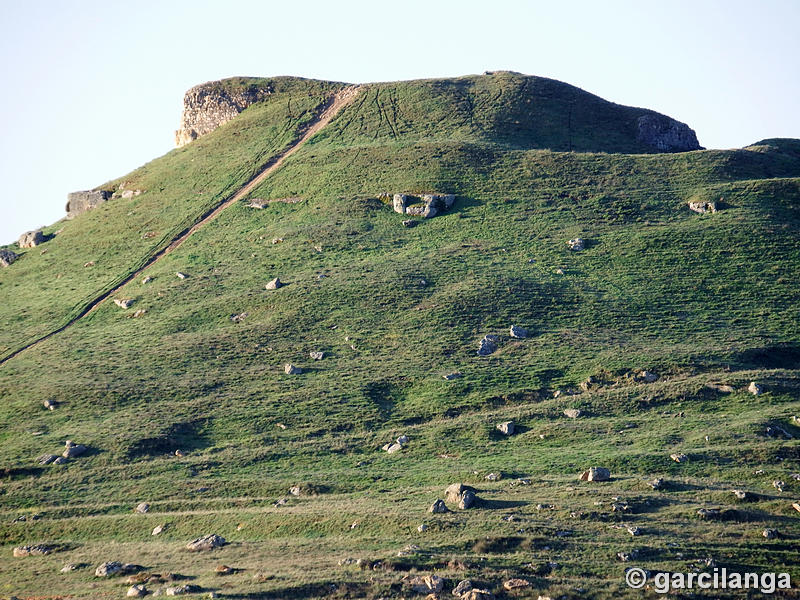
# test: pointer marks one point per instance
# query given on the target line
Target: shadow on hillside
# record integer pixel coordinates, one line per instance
(777, 356)
(310, 590)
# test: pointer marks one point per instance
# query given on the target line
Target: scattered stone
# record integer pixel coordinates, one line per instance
(180, 453)
(796, 506)
(36, 550)
(291, 369)
(717, 514)
(60, 460)
(123, 302)
(628, 556)
(316, 355)
(634, 531)
(394, 448)
(422, 528)
(494, 477)
(71, 450)
(425, 584)
(403, 439)
(775, 431)
(181, 590)
(258, 203)
(679, 457)
(559, 271)
(703, 207)
(224, 570)
(770, 534)
(743, 495)
(277, 240)
(516, 584)
(506, 427)
(409, 550)
(755, 388)
(46, 459)
(142, 508)
(462, 588)
(31, 239)
(108, 569)
(7, 257)
(518, 332)
(596, 474)
(476, 594)
(438, 507)
(69, 567)
(274, 284)
(467, 499)
(488, 345)
(239, 317)
(453, 492)
(295, 490)
(139, 313)
(91, 263)
(721, 387)
(778, 485)
(451, 376)
(147, 280)
(572, 413)
(410, 223)
(206, 542)
(136, 591)
(576, 244)
(158, 529)
(645, 376)
(79, 202)
(589, 383)
(180, 275)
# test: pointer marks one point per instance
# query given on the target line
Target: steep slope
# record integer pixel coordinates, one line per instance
(704, 301)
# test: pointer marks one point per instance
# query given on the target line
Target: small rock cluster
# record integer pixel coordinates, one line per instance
(425, 205)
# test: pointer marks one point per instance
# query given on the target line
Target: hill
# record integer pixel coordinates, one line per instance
(705, 303)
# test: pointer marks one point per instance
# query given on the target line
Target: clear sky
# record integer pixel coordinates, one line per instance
(93, 89)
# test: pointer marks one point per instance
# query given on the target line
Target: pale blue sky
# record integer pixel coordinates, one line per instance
(93, 89)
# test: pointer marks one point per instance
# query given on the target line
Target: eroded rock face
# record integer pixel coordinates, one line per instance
(666, 134)
(209, 105)
(79, 202)
(30, 239)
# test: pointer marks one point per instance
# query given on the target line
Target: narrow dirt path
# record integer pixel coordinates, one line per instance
(336, 103)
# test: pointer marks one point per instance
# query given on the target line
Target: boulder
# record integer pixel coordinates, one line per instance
(31, 239)
(596, 474)
(702, 207)
(755, 388)
(438, 507)
(679, 457)
(137, 591)
(50, 404)
(180, 275)
(572, 413)
(274, 284)
(425, 584)
(80, 202)
(123, 302)
(576, 244)
(69, 567)
(665, 134)
(316, 355)
(158, 529)
(506, 427)
(7, 257)
(108, 569)
(224, 570)
(291, 369)
(409, 223)
(467, 499)
(394, 448)
(645, 376)
(476, 594)
(403, 439)
(206, 542)
(35, 550)
(518, 332)
(453, 492)
(462, 588)
(46, 459)
(488, 345)
(516, 583)
(770, 534)
(181, 590)
(71, 450)
(142, 508)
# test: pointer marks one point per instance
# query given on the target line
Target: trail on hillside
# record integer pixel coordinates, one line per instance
(330, 109)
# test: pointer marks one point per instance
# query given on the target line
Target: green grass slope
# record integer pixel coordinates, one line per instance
(702, 300)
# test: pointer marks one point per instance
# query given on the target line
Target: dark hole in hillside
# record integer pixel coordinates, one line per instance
(179, 436)
(777, 356)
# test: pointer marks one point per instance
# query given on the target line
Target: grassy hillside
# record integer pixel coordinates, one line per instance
(701, 300)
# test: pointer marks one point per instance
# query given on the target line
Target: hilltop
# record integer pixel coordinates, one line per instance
(570, 218)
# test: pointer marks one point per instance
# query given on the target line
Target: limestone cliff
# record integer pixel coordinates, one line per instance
(209, 105)
(666, 134)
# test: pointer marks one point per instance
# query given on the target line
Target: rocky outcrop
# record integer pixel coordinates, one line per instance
(666, 134)
(80, 202)
(425, 205)
(209, 105)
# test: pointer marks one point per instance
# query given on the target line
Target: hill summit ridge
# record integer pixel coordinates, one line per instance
(534, 106)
